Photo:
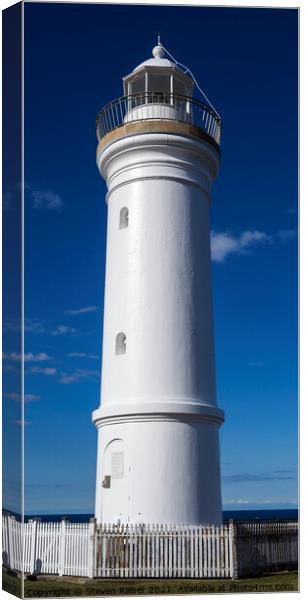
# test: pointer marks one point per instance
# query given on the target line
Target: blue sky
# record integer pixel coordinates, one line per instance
(246, 62)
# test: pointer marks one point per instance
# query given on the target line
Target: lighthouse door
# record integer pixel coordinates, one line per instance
(115, 483)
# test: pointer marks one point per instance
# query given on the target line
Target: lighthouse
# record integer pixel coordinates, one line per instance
(158, 421)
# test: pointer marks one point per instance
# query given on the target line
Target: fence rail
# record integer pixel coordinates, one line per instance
(162, 551)
(158, 106)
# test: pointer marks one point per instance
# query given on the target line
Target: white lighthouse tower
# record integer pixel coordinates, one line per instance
(158, 422)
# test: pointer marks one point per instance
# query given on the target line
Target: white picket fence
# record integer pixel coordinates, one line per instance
(51, 548)
(261, 545)
(88, 550)
(164, 551)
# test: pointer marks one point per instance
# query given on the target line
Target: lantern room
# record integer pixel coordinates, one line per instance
(158, 89)
(158, 79)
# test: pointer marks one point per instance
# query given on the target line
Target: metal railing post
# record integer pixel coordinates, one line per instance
(33, 539)
(91, 565)
(233, 550)
(11, 558)
(62, 548)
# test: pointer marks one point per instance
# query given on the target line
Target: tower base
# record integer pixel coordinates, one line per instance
(157, 468)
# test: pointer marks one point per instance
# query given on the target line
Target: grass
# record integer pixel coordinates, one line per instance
(59, 587)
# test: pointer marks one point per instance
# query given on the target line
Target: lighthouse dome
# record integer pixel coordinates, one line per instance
(158, 59)
(158, 74)
(155, 62)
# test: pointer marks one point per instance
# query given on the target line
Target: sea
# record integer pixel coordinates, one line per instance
(278, 515)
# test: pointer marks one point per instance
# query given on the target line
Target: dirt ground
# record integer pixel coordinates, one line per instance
(60, 587)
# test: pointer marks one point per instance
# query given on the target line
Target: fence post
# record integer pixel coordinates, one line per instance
(32, 542)
(62, 547)
(91, 548)
(233, 550)
(11, 560)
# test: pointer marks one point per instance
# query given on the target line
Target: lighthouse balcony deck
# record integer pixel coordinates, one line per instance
(159, 107)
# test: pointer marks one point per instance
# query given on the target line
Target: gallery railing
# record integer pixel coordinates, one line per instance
(159, 106)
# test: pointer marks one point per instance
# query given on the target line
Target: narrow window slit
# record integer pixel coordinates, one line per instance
(124, 215)
(120, 343)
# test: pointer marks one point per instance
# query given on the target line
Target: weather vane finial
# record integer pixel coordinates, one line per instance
(158, 51)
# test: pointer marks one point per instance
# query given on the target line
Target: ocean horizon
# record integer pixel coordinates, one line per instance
(285, 514)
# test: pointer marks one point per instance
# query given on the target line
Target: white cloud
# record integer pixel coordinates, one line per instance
(17, 397)
(7, 201)
(12, 396)
(46, 200)
(10, 368)
(63, 330)
(31, 398)
(11, 356)
(42, 370)
(287, 235)
(250, 238)
(78, 375)
(252, 477)
(12, 325)
(33, 326)
(83, 355)
(81, 311)
(40, 357)
(243, 501)
(223, 243)
(239, 501)
(28, 357)
(30, 325)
